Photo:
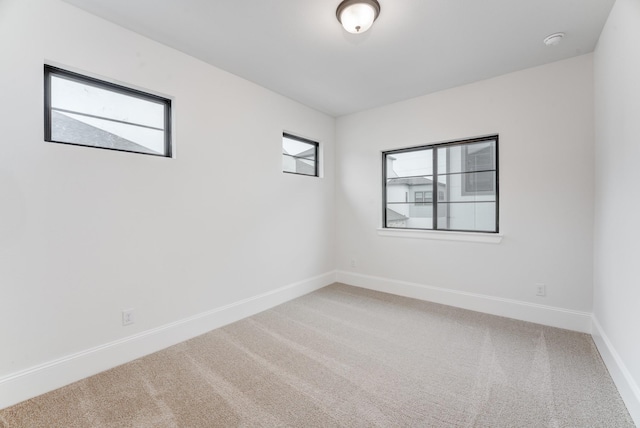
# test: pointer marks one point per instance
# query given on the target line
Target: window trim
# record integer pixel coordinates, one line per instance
(316, 146)
(434, 147)
(50, 70)
(441, 235)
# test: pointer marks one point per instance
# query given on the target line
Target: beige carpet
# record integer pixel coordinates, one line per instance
(349, 357)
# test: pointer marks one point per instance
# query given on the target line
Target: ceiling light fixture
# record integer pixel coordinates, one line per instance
(357, 16)
(553, 39)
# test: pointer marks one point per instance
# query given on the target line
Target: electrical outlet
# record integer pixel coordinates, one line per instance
(541, 290)
(128, 317)
(353, 263)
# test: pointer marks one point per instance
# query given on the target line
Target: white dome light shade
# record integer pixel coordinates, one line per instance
(553, 39)
(357, 16)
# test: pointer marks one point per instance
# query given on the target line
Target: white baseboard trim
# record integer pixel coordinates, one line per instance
(51, 375)
(525, 311)
(627, 386)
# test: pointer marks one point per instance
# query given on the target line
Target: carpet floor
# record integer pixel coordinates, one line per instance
(348, 357)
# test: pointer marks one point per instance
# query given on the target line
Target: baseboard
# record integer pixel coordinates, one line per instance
(46, 377)
(627, 386)
(525, 311)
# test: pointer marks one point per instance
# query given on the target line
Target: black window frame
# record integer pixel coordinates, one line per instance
(316, 146)
(50, 70)
(435, 191)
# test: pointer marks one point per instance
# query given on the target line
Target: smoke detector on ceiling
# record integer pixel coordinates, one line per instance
(553, 39)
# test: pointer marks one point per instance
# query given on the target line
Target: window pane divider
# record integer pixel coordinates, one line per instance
(468, 202)
(106, 118)
(299, 157)
(410, 176)
(466, 172)
(434, 187)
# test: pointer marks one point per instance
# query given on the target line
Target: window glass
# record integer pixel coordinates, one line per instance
(409, 216)
(398, 188)
(470, 157)
(467, 216)
(410, 164)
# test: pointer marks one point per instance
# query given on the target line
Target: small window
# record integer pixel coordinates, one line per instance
(463, 175)
(85, 111)
(299, 155)
(423, 197)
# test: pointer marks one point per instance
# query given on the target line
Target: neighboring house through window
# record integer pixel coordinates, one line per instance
(478, 157)
(464, 175)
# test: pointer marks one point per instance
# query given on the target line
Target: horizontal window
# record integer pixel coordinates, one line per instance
(463, 175)
(299, 155)
(85, 111)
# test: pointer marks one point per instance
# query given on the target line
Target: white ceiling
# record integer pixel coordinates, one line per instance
(298, 48)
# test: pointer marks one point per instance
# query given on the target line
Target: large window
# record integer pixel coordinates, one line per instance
(85, 111)
(464, 176)
(299, 155)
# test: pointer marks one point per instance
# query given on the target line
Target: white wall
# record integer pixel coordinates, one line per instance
(85, 233)
(544, 118)
(617, 202)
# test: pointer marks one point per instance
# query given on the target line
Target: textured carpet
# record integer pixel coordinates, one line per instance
(345, 356)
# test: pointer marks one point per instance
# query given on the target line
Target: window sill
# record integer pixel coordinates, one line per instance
(488, 238)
